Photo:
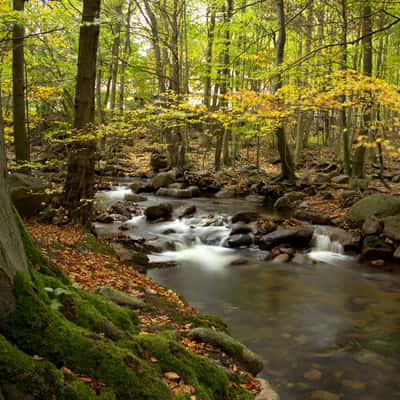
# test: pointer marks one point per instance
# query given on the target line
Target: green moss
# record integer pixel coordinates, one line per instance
(162, 305)
(36, 328)
(35, 256)
(209, 380)
(41, 379)
(122, 317)
(91, 243)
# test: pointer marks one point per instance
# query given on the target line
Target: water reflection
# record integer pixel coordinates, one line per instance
(318, 327)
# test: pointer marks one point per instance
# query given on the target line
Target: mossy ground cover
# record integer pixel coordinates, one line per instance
(64, 342)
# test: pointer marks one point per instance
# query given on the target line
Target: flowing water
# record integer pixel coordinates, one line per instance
(333, 326)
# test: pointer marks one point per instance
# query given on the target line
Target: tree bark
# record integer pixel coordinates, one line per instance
(287, 165)
(359, 155)
(343, 112)
(209, 56)
(12, 254)
(79, 185)
(21, 140)
(124, 64)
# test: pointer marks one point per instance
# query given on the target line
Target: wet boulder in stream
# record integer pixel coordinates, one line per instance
(163, 179)
(240, 240)
(296, 237)
(245, 216)
(240, 227)
(160, 211)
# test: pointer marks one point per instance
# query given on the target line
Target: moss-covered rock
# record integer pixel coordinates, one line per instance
(249, 360)
(120, 298)
(209, 380)
(380, 205)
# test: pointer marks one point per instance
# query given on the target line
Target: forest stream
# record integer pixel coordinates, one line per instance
(332, 326)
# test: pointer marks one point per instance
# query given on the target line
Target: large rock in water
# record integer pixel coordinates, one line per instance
(160, 211)
(27, 193)
(186, 193)
(238, 351)
(240, 240)
(163, 179)
(296, 237)
(380, 205)
(245, 216)
(374, 248)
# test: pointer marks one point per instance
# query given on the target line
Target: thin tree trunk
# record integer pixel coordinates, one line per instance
(79, 185)
(287, 165)
(209, 55)
(115, 60)
(359, 156)
(343, 112)
(124, 64)
(21, 139)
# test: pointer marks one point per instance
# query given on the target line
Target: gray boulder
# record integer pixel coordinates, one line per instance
(289, 201)
(372, 226)
(238, 351)
(163, 179)
(160, 211)
(245, 216)
(311, 216)
(380, 205)
(374, 248)
(240, 227)
(176, 193)
(225, 194)
(144, 186)
(296, 237)
(240, 240)
(187, 212)
(391, 227)
(137, 198)
(27, 193)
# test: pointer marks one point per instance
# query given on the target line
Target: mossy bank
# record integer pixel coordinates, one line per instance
(62, 342)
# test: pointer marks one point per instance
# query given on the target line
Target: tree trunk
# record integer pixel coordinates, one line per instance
(12, 254)
(127, 52)
(209, 56)
(21, 140)
(287, 165)
(359, 156)
(79, 185)
(343, 112)
(115, 60)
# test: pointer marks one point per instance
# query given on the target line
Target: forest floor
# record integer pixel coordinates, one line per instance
(91, 264)
(135, 162)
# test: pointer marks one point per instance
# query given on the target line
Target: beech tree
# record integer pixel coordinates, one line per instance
(79, 184)
(21, 140)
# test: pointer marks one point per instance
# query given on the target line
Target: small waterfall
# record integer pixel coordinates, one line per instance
(322, 242)
(325, 249)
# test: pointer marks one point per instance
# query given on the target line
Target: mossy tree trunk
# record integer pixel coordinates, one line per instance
(79, 185)
(12, 255)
